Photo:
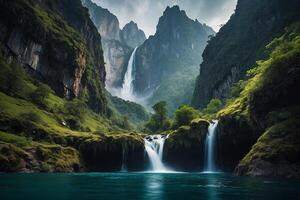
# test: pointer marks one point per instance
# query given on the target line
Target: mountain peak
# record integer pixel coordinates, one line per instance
(174, 10)
(132, 35)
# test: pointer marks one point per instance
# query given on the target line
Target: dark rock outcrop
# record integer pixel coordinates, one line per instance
(239, 44)
(109, 153)
(184, 149)
(235, 137)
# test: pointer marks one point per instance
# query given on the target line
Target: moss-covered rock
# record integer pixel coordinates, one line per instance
(184, 148)
(38, 158)
(277, 152)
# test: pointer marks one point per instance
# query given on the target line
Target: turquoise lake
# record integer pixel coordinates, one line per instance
(147, 186)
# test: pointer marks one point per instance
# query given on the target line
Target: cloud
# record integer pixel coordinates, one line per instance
(147, 12)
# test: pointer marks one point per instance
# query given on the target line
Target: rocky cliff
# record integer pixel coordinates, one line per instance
(59, 44)
(166, 63)
(259, 129)
(239, 44)
(117, 44)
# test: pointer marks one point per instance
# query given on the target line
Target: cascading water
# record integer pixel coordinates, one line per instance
(154, 145)
(127, 87)
(210, 147)
(123, 167)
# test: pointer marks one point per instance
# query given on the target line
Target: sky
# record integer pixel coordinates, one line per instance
(146, 13)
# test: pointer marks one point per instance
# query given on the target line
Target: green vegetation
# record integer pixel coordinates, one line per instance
(15, 139)
(267, 103)
(123, 111)
(158, 121)
(184, 115)
(41, 94)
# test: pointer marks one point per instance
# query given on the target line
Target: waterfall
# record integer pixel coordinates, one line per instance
(210, 147)
(127, 87)
(154, 145)
(123, 168)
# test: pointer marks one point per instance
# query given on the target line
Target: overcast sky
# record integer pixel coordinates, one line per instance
(147, 12)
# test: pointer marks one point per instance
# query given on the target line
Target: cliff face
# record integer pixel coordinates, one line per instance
(106, 23)
(239, 44)
(58, 43)
(132, 35)
(117, 44)
(166, 62)
(259, 130)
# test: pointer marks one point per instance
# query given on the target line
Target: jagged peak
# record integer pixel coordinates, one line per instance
(131, 24)
(173, 9)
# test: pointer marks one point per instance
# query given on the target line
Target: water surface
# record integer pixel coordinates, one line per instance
(147, 186)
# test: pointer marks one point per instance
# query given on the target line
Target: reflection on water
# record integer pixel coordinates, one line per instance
(147, 186)
(154, 186)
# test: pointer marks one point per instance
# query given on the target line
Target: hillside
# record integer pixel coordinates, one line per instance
(238, 45)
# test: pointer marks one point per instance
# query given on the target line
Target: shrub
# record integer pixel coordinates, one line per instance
(40, 95)
(184, 115)
(76, 108)
(12, 79)
(31, 116)
(213, 106)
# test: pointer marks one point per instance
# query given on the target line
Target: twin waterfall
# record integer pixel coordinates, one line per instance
(154, 145)
(210, 148)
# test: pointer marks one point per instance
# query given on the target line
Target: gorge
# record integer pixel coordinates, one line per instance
(91, 109)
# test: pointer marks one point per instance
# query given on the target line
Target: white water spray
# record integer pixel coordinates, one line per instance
(210, 147)
(127, 87)
(154, 145)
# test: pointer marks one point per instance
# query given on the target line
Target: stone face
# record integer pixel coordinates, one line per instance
(184, 148)
(238, 45)
(132, 35)
(116, 57)
(171, 56)
(60, 53)
(235, 137)
(106, 23)
(107, 153)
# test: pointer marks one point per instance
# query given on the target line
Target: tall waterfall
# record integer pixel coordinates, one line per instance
(154, 145)
(127, 87)
(210, 147)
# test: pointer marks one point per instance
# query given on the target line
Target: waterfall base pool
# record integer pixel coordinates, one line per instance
(146, 186)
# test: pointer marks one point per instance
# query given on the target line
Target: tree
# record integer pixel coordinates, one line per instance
(213, 106)
(125, 123)
(184, 115)
(159, 119)
(160, 110)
